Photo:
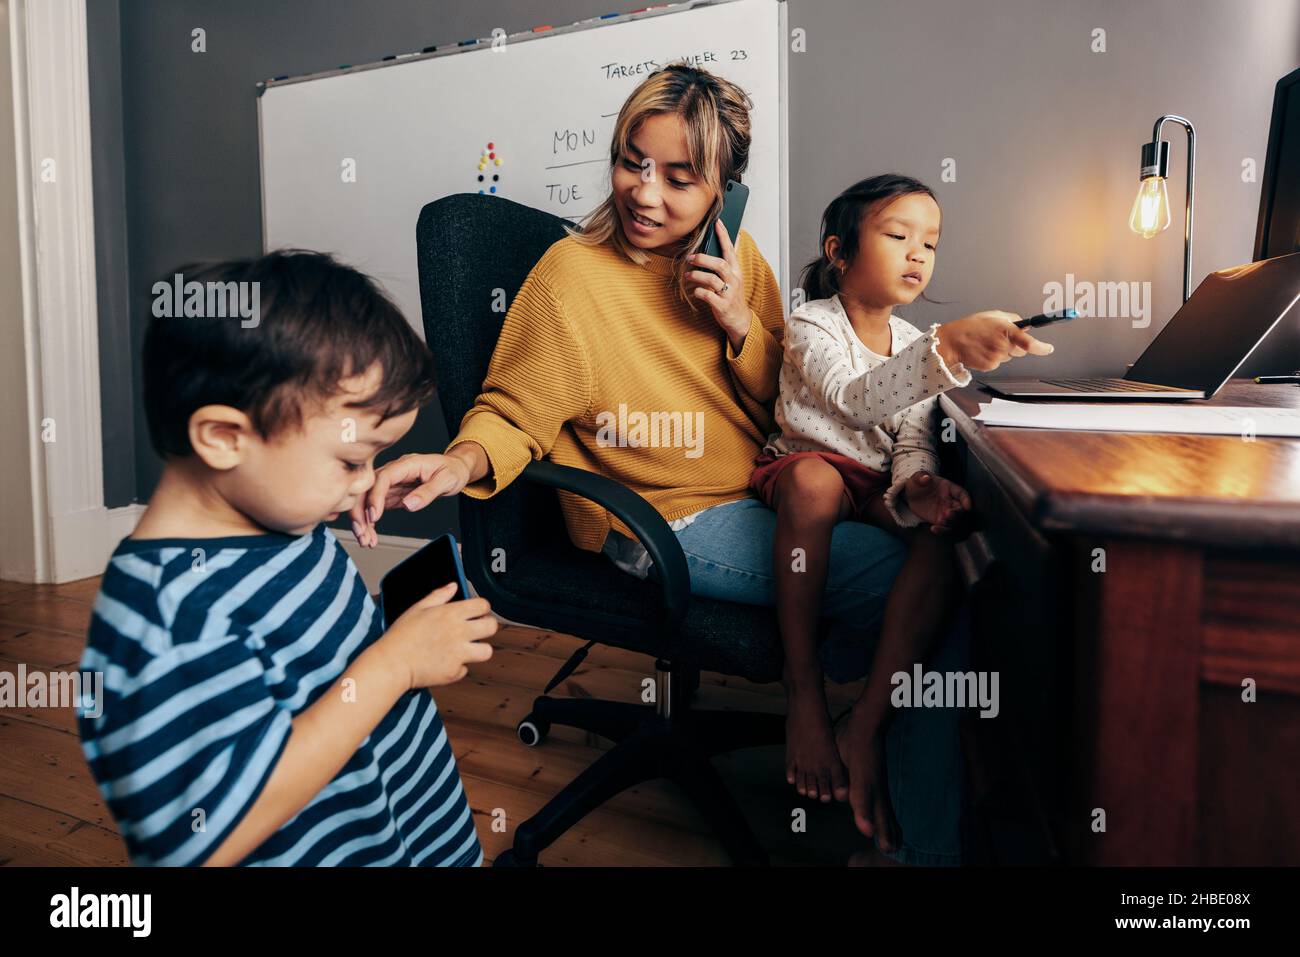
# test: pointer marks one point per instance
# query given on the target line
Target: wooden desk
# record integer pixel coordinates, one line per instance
(1122, 689)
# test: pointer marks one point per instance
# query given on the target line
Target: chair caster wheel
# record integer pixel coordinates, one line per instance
(507, 859)
(532, 730)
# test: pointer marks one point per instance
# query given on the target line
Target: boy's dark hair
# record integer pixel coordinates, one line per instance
(318, 322)
(843, 218)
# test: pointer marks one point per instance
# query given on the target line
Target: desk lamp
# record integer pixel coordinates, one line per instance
(1150, 213)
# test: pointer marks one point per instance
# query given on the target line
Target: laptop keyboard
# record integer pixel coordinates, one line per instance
(1109, 385)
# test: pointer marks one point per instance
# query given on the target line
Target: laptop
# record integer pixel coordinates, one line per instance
(1196, 353)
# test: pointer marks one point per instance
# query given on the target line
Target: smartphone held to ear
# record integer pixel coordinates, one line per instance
(734, 198)
(430, 568)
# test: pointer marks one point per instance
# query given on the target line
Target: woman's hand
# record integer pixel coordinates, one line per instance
(413, 481)
(985, 340)
(723, 289)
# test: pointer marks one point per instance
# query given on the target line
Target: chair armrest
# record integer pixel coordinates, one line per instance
(638, 515)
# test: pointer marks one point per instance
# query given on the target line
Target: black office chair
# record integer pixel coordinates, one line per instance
(469, 246)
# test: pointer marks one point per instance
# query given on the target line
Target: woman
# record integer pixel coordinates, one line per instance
(626, 352)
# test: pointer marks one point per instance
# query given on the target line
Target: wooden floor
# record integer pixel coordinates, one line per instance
(51, 813)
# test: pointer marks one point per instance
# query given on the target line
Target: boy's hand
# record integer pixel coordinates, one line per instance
(936, 500)
(436, 638)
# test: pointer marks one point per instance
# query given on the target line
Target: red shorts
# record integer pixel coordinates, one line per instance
(861, 483)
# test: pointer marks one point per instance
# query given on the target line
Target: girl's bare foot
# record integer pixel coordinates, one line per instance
(862, 750)
(812, 762)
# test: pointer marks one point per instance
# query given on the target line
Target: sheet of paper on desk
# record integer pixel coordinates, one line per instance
(1116, 417)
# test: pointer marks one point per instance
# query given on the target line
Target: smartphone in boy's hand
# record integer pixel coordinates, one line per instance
(434, 628)
(436, 639)
(433, 566)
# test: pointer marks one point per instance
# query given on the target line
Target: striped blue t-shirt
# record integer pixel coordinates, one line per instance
(209, 648)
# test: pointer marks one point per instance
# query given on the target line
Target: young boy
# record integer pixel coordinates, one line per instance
(255, 711)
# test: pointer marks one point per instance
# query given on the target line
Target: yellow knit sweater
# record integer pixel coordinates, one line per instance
(600, 366)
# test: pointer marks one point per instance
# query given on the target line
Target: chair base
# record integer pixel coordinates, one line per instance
(648, 746)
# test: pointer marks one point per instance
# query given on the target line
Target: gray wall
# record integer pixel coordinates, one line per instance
(119, 387)
(188, 135)
(1046, 136)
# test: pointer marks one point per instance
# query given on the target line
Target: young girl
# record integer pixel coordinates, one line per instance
(856, 442)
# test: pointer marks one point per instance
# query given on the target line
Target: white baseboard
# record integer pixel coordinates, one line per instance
(82, 541)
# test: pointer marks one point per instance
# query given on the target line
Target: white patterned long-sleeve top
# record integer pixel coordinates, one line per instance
(839, 396)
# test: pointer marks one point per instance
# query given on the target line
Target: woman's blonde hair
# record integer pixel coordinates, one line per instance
(715, 113)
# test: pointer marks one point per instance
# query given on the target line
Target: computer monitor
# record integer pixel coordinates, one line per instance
(1278, 231)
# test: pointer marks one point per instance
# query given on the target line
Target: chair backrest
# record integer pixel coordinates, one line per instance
(474, 252)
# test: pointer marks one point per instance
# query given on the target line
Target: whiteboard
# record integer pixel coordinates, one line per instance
(349, 157)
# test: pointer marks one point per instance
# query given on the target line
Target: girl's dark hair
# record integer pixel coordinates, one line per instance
(843, 218)
(318, 321)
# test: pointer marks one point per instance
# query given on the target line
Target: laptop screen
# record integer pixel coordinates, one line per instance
(1229, 314)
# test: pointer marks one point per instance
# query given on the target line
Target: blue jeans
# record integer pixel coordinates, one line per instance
(729, 555)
